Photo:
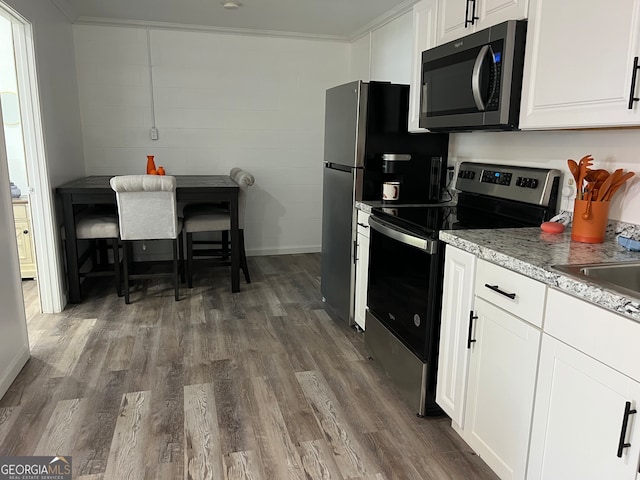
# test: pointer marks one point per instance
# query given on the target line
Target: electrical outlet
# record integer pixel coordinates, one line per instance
(154, 133)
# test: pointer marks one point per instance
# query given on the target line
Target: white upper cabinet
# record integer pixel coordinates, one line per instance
(457, 18)
(424, 37)
(580, 64)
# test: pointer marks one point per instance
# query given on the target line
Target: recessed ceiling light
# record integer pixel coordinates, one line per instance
(231, 4)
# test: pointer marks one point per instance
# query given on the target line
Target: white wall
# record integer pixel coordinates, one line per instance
(220, 101)
(360, 64)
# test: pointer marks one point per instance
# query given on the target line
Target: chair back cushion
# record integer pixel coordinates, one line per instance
(245, 180)
(146, 206)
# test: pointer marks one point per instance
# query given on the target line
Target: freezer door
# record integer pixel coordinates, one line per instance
(344, 124)
(337, 274)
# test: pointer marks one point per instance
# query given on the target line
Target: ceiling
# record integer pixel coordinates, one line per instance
(339, 19)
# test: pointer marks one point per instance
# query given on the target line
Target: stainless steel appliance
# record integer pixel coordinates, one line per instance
(363, 121)
(406, 262)
(475, 82)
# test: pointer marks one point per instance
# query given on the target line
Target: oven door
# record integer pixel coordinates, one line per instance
(405, 285)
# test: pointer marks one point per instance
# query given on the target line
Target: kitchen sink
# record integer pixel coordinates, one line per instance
(623, 277)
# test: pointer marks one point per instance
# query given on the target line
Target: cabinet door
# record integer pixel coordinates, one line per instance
(492, 12)
(451, 20)
(362, 268)
(453, 356)
(502, 377)
(362, 274)
(424, 37)
(25, 249)
(577, 424)
(579, 64)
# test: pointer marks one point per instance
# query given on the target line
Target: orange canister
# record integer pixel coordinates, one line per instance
(590, 220)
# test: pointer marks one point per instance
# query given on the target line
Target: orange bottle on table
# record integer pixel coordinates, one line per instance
(151, 165)
(160, 170)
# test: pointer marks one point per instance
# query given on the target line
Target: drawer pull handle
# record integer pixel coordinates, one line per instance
(634, 73)
(623, 430)
(496, 288)
(363, 225)
(472, 317)
(25, 231)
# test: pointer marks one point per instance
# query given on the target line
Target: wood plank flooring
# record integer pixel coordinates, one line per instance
(263, 384)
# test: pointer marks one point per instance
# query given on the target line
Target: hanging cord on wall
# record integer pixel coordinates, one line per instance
(154, 130)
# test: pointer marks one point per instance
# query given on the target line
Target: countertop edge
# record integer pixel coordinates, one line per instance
(584, 290)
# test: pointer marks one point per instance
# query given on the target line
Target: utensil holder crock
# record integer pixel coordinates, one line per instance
(590, 219)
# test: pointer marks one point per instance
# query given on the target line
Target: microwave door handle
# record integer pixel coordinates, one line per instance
(475, 78)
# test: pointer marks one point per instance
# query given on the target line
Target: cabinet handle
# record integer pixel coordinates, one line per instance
(496, 288)
(25, 231)
(355, 251)
(473, 19)
(623, 430)
(472, 317)
(466, 16)
(363, 225)
(634, 74)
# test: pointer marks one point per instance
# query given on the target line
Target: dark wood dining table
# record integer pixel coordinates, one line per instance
(96, 190)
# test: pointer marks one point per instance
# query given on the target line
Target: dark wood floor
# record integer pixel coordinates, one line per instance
(261, 384)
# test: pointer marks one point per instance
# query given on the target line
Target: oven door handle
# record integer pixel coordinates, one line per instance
(429, 246)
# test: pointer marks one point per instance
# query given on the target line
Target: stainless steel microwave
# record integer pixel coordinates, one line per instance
(475, 82)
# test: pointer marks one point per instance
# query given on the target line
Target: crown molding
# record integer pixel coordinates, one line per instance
(66, 9)
(382, 20)
(110, 22)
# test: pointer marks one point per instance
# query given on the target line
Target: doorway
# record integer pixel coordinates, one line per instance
(26, 160)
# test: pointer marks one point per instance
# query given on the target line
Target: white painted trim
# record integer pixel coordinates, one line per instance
(283, 251)
(50, 281)
(13, 370)
(110, 22)
(66, 9)
(383, 19)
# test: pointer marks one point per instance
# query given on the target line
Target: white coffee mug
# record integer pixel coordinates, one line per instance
(390, 191)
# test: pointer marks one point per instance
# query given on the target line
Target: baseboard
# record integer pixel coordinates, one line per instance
(283, 251)
(12, 372)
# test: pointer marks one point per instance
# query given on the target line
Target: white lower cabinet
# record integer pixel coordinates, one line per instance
(362, 269)
(578, 424)
(453, 353)
(502, 376)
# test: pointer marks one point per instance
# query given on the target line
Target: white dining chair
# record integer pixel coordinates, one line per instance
(200, 218)
(147, 210)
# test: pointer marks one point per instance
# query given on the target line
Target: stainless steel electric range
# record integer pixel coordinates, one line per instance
(407, 260)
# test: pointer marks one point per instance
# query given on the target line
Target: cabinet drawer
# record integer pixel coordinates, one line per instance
(511, 291)
(20, 211)
(604, 335)
(363, 223)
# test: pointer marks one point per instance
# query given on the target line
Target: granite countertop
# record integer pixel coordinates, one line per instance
(531, 252)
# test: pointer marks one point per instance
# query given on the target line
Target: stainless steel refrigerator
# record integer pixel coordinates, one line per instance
(362, 121)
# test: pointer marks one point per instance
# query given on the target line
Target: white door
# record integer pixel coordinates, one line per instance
(577, 424)
(453, 356)
(579, 64)
(14, 343)
(492, 12)
(451, 20)
(362, 269)
(502, 376)
(424, 37)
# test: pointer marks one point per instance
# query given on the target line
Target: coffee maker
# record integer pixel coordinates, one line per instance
(412, 178)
